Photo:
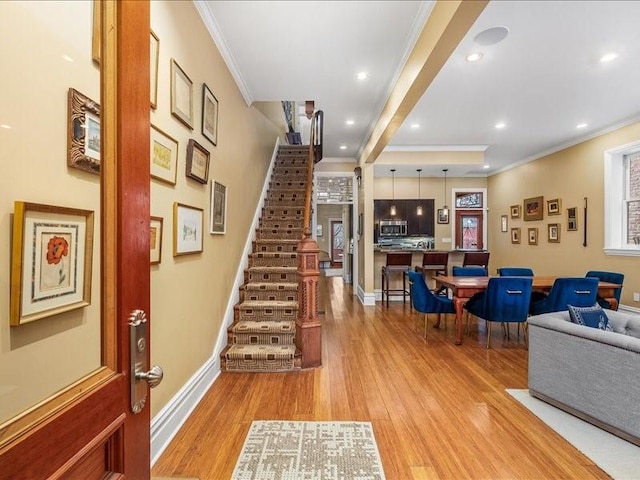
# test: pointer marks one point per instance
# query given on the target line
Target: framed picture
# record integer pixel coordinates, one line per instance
(553, 207)
(197, 162)
(515, 235)
(181, 95)
(83, 132)
(218, 210)
(554, 232)
(504, 223)
(572, 219)
(533, 208)
(515, 211)
(533, 236)
(155, 233)
(209, 115)
(187, 229)
(443, 215)
(154, 44)
(163, 157)
(51, 261)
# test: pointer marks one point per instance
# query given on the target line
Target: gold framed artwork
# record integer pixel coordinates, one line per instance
(515, 211)
(154, 45)
(218, 208)
(197, 162)
(163, 158)
(553, 207)
(443, 215)
(533, 236)
(209, 115)
(515, 235)
(181, 95)
(83, 132)
(155, 240)
(553, 232)
(187, 229)
(533, 208)
(504, 222)
(52, 254)
(572, 219)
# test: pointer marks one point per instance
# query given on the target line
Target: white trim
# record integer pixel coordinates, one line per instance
(623, 252)
(166, 423)
(435, 148)
(209, 21)
(367, 299)
(483, 209)
(629, 309)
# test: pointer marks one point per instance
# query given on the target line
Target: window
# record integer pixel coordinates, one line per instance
(622, 200)
(469, 200)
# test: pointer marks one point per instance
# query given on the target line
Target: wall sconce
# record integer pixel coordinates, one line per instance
(358, 173)
(445, 209)
(419, 208)
(393, 210)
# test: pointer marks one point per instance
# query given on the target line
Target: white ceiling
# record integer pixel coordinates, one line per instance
(542, 81)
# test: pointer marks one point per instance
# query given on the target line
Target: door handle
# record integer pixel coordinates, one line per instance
(141, 376)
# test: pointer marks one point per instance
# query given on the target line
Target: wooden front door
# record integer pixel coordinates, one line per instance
(337, 243)
(85, 429)
(469, 230)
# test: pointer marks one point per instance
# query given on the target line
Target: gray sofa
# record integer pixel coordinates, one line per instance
(590, 373)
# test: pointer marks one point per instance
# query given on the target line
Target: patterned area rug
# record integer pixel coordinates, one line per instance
(282, 450)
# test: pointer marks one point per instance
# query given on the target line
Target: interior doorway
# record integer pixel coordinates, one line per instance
(469, 230)
(337, 243)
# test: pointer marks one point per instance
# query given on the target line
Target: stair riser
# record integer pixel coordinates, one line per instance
(270, 247)
(278, 233)
(292, 161)
(290, 194)
(287, 224)
(284, 202)
(283, 211)
(264, 315)
(261, 338)
(273, 262)
(290, 173)
(268, 295)
(288, 184)
(270, 277)
(237, 365)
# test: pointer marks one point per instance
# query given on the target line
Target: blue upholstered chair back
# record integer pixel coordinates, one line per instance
(579, 292)
(458, 271)
(506, 300)
(424, 300)
(612, 277)
(515, 272)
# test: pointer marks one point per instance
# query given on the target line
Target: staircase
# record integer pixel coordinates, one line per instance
(261, 338)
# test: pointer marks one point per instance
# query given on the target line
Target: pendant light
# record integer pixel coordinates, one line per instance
(445, 209)
(419, 208)
(393, 210)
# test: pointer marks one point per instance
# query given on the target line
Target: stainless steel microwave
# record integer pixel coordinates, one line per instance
(392, 228)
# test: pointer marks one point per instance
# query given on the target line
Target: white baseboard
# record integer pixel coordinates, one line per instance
(629, 309)
(168, 421)
(367, 299)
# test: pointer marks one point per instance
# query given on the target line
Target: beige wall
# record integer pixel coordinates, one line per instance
(41, 357)
(189, 294)
(570, 175)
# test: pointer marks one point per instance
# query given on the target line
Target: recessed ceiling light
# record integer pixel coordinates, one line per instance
(581, 125)
(474, 57)
(362, 76)
(486, 166)
(415, 125)
(5, 126)
(349, 122)
(491, 36)
(500, 125)
(608, 57)
(343, 147)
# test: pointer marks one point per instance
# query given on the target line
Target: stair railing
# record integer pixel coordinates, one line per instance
(308, 327)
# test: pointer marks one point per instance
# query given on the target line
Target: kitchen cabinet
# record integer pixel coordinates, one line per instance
(417, 225)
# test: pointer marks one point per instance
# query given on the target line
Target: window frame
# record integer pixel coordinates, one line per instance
(615, 201)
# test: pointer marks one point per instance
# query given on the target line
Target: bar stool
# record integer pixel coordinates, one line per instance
(434, 262)
(396, 263)
(476, 259)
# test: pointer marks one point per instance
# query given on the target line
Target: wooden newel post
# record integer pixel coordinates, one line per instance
(308, 327)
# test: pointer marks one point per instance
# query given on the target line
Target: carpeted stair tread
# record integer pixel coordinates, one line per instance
(274, 304)
(274, 269)
(261, 351)
(271, 286)
(251, 326)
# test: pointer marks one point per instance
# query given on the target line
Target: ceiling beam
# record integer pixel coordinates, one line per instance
(447, 25)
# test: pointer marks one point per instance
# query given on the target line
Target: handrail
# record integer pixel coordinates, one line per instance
(315, 155)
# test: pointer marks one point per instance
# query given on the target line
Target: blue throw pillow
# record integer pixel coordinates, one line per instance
(593, 317)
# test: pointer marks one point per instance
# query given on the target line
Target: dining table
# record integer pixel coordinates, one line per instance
(463, 288)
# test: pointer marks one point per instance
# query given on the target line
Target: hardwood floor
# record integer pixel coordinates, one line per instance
(438, 410)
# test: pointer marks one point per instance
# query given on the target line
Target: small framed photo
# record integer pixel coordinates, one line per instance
(554, 232)
(209, 115)
(154, 45)
(181, 95)
(51, 261)
(83, 132)
(515, 211)
(197, 162)
(504, 222)
(443, 215)
(515, 235)
(163, 157)
(155, 233)
(533, 208)
(553, 207)
(533, 236)
(187, 229)
(218, 210)
(572, 219)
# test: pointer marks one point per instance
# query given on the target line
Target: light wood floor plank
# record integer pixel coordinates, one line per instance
(439, 411)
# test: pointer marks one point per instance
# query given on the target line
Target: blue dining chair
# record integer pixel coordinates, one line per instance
(611, 277)
(458, 271)
(505, 300)
(425, 301)
(576, 291)
(536, 296)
